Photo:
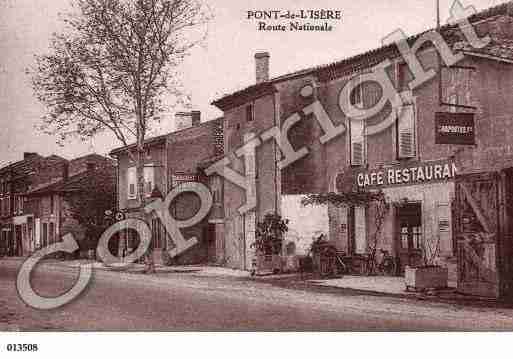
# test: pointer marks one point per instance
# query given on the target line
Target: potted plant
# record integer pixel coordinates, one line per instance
(428, 275)
(268, 244)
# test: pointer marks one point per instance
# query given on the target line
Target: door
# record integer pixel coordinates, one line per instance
(476, 210)
(18, 247)
(409, 234)
(210, 235)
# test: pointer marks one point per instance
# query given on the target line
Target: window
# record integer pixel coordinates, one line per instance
(249, 113)
(149, 180)
(360, 230)
(357, 149)
(403, 77)
(406, 132)
(457, 86)
(52, 204)
(356, 97)
(132, 182)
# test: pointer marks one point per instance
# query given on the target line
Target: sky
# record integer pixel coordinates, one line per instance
(222, 64)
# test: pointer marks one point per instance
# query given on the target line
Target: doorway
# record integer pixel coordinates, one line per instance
(409, 234)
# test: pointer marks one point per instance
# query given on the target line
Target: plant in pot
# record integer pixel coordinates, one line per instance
(429, 274)
(270, 234)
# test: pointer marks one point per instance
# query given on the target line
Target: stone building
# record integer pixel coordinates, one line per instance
(85, 189)
(170, 160)
(16, 179)
(405, 158)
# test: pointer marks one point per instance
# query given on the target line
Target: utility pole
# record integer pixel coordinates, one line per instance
(440, 100)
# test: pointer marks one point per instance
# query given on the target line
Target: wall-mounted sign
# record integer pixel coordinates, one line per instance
(410, 174)
(454, 128)
(178, 178)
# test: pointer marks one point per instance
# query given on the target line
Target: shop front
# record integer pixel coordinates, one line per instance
(417, 227)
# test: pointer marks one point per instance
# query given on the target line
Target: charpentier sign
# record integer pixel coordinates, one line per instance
(454, 128)
(411, 174)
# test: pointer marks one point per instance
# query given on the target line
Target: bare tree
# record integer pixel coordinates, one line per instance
(111, 67)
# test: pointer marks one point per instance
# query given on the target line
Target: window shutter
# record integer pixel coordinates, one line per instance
(357, 143)
(357, 153)
(132, 182)
(443, 213)
(406, 132)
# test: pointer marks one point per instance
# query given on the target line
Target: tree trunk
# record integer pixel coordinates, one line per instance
(148, 258)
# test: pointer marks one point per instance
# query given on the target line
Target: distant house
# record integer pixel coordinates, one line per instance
(172, 159)
(73, 204)
(16, 179)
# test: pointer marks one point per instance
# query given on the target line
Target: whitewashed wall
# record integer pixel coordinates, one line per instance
(305, 222)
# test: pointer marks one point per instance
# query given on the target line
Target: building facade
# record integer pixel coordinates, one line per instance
(72, 204)
(17, 223)
(170, 160)
(408, 159)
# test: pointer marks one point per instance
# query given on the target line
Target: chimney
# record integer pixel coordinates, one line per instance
(28, 155)
(196, 117)
(183, 120)
(65, 171)
(262, 66)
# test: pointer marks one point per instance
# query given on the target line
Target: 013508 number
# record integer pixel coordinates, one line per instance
(22, 348)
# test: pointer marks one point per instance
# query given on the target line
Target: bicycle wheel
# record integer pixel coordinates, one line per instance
(389, 267)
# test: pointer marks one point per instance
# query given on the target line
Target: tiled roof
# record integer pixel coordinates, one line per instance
(357, 62)
(72, 184)
(162, 138)
(499, 49)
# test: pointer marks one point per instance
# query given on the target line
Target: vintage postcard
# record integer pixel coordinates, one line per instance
(255, 166)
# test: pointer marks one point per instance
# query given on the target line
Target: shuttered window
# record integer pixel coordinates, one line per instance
(149, 180)
(132, 182)
(406, 132)
(357, 142)
(443, 214)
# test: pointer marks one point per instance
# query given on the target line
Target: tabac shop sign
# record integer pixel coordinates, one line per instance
(412, 174)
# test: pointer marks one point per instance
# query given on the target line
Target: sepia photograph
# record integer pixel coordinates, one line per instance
(193, 166)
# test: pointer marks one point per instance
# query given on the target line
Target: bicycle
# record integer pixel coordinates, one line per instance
(332, 262)
(386, 266)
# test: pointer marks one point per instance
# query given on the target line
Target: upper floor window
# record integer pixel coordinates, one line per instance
(149, 180)
(357, 148)
(18, 204)
(356, 95)
(131, 182)
(406, 143)
(457, 86)
(403, 77)
(250, 115)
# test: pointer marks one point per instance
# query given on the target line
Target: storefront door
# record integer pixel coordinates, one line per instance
(409, 234)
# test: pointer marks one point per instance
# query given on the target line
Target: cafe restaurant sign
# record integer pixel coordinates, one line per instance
(411, 174)
(454, 128)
